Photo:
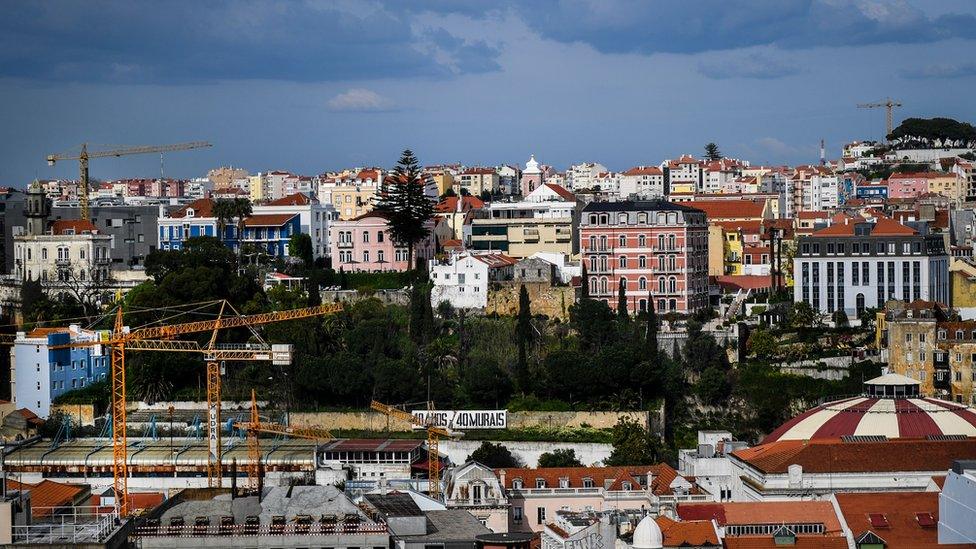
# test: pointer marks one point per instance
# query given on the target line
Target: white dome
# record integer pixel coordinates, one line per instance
(532, 166)
(648, 535)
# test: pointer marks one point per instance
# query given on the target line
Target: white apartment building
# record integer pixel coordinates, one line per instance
(815, 189)
(858, 264)
(462, 279)
(643, 182)
(582, 176)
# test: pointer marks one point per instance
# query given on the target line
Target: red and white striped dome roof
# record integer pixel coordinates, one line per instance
(901, 416)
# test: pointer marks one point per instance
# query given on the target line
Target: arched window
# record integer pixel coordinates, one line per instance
(380, 256)
(642, 218)
(642, 262)
(642, 304)
(672, 285)
(379, 236)
(662, 305)
(603, 243)
(622, 219)
(660, 262)
(672, 218)
(623, 280)
(642, 283)
(660, 241)
(623, 241)
(43, 253)
(604, 219)
(592, 242)
(593, 286)
(622, 262)
(661, 285)
(859, 303)
(671, 241)
(604, 288)
(642, 241)
(28, 255)
(593, 219)
(673, 304)
(671, 262)
(661, 219)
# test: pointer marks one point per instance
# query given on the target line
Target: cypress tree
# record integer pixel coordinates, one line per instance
(523, 334)
(584, 284)
(651, 348)
(622, 300)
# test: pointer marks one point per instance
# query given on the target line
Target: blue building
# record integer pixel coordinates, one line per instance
(42, 374)
(268, 232)
(872, 192)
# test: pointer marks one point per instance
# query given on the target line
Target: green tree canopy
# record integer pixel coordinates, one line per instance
(300, 246)
(634, 445)
(405, 204)
(712, 152)
(560, 457)
(495, 456)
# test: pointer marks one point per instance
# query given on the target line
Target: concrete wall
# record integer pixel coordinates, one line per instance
(375, 421)
(544, 299)
(834, 367)
(80, 414)
(388, 297)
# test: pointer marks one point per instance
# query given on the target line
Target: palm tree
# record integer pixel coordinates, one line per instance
(224, 212)
(241, 208)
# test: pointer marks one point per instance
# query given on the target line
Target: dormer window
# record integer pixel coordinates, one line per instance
(564, 482)
(959, 334)
(540, 483)
(942, 335)
(190, 212)
(516, 484)
(587, 482)
(627, 485)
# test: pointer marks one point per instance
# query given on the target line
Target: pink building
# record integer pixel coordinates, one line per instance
(907, 185)
(659, 249)
(363, 244)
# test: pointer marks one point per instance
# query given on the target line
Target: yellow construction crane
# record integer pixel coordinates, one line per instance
(433, 440)
(83, 157)
(255, 427)
(889, 104)
(159, 338)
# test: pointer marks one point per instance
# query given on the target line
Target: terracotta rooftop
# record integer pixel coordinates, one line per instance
(835, 456)
(883, 226)
(729, 209)
(495, 261)
(688, 533)
(450, 204)
(73, 226)
(268, 220)
(910, 519)
(766, 512)
(202, 207)
(48, 494)
(611, 478)
(644, 170)
(561, 191)
(297, 199)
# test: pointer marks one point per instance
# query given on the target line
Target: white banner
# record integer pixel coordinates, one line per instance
(213, 426)
(462, 420)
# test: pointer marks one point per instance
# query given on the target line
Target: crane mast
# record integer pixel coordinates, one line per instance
(84, 156)
(888, 104)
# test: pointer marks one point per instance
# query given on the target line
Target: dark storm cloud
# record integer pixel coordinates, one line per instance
(184, 41)
(666, 26)
(940, 70)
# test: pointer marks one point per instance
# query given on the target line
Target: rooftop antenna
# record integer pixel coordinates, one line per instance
(823, 154)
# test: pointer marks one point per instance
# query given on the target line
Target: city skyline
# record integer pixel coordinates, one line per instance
(313, 87)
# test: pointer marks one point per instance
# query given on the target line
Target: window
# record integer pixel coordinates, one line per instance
(957, 375)
(540, 514)
(365, 256)
(623, 241)
(365, 236)
(517, 515)
(908, 338)
(642, 262)
(642, 241)
(642, 283)
(380, 255)
(564, 482)
(379, 236)
(588, 482)
(517, 485)
(540, 483)
(622, 262)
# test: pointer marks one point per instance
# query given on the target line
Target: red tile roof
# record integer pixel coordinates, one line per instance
(48, 494)
(268, 220)
(813, 214)
(297, 199)
(479, 171)
(561, 191)
(468, 203)
(907, 515)
(745, 282)
(883, 226)
(73, 226)
(769, 512)
(835, 456)
(368, 174)
(716, 210)
(802, 542)
(688, 533)
(920, 175)
(611, 478)
(202, 207)
(644, 170)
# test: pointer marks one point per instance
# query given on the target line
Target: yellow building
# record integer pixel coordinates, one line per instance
(256, 185)
(444, 181)
(962, 275)
(683, 187)
(922, 344)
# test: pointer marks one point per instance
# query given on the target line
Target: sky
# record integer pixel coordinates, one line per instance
(312, 86)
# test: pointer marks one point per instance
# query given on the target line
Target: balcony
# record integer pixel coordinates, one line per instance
(62, 262)
(344, 245)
